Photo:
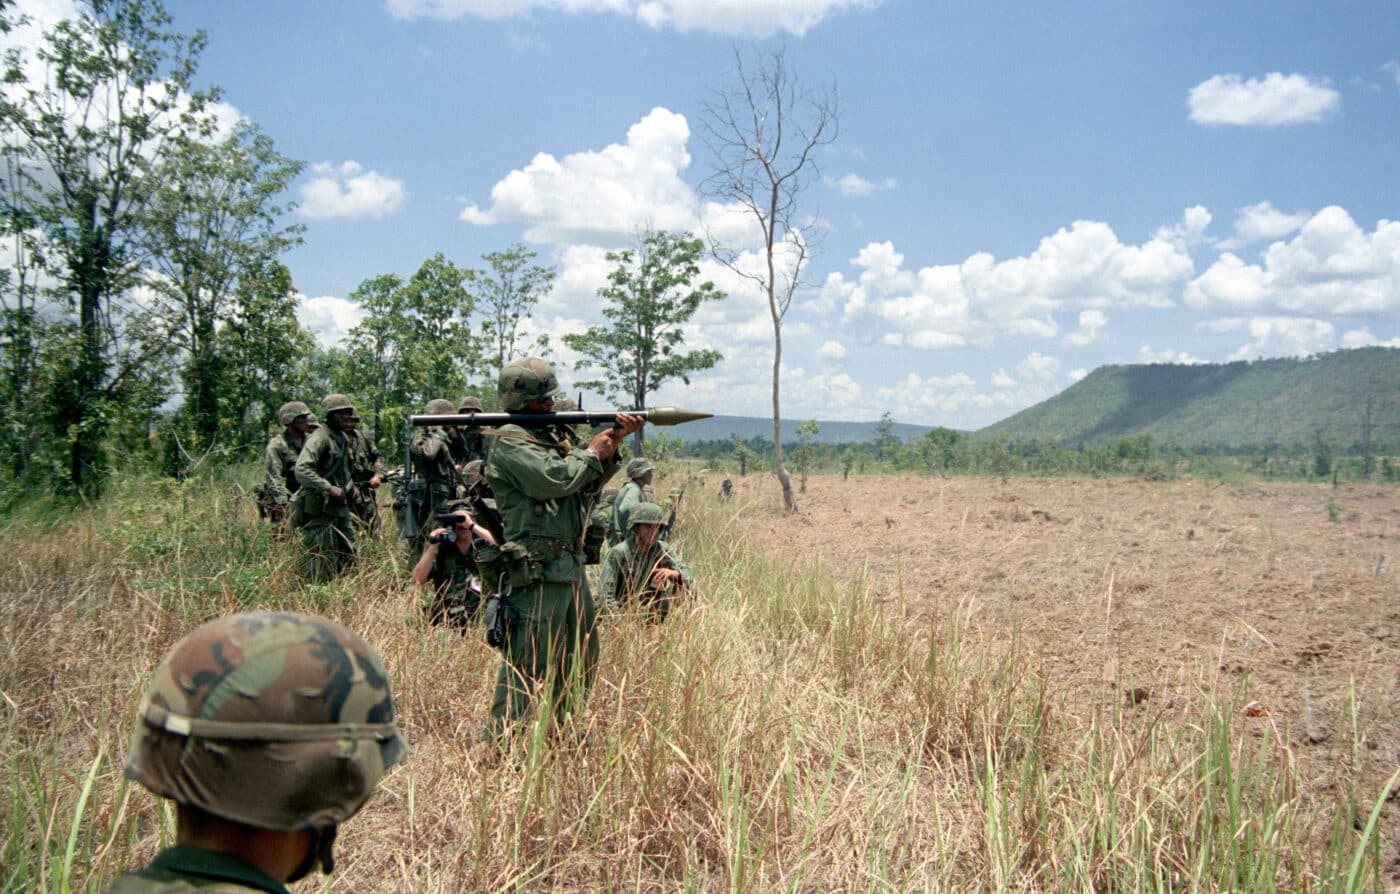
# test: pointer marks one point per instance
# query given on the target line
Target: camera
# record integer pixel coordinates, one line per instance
(444, 537)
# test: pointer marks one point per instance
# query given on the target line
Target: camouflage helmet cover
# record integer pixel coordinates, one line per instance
(645, 514)
(334, 402)
(277, 721)
(524, 379)
(637, 468)
(468, 404)
(288, 412)
(473, 471)
(440, 406)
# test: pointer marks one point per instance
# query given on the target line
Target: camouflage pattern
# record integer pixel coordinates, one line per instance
(326, 528)
(468, 404)
(525, 379)
(277, 721)
(333, 402)
(647, 514)
(439, 406)
(638, 467)
(544, 494)
(625, 579)
(288, 412)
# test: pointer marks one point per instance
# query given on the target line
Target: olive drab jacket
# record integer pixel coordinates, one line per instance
(325, 461)
(280, 459)
(183, 870)
(626, 573)
(544, 491)
(627, 497)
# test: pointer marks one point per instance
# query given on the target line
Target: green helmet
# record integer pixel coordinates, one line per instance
(637, 468)
(525, 379)
(276, 721)
(646, 514)
(472, 472)
(440, 406)
(333, 402)
(468, 404)
(288, 412)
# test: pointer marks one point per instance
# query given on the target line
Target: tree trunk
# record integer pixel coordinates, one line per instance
(789, 503)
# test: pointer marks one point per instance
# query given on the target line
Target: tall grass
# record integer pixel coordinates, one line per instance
(781, 732)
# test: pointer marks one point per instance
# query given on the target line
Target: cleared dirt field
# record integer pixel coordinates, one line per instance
(1136, 593)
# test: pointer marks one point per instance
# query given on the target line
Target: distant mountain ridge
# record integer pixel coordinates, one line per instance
(1234, 404)
(725, 428)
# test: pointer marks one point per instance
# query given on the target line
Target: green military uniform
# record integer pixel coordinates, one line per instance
(430, 451)
(365, 463)
(326, 529)
(279, 460)
(542, 492)
(178, 870)
(626, 500)
(626, 574)
(456, 596)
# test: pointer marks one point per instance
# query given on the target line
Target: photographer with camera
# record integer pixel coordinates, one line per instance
(448, 565)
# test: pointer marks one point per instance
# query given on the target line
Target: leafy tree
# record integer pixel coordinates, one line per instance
(806, 431)
(506, 293)
(939, 446)
(87, 116)
(885, 440)
(213, 222)
(650, 295)
(376, 363)
(763, 133)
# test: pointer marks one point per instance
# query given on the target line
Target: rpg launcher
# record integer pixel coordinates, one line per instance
(604, 418)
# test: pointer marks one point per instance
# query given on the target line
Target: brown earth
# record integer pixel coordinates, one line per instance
(1144, 592)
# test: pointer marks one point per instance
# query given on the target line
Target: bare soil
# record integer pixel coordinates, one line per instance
(1144, 592)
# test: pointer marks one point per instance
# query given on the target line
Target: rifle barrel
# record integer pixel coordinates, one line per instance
(655, 416)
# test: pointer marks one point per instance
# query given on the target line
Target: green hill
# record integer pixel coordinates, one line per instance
(745, 428)
(1232, 404)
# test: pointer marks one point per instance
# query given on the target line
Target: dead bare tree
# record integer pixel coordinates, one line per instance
(762, 132)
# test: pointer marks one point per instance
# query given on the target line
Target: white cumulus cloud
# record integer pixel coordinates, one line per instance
(1362, 338)
(856, 186)
(1278, 336)
(349, 191)
(832, 351)
(1147, 354)
(1331, 266)
(605, 196)
(1091, 323)
(1273, 100)
(328, 317)
(1263, 222)
(753, 18)
(1083, 267)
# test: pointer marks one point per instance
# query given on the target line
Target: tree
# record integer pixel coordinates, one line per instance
(507, 293)
(650, 296)
(885, 440)
(806, 431)
(214, 222)
(762, 133)
(86, 119)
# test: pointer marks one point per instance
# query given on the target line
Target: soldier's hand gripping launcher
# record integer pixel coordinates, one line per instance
(604, 418)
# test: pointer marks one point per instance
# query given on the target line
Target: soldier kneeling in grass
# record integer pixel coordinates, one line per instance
(643, 570)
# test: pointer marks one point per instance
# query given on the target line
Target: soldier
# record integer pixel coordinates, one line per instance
(267, 731)
(551, 647)
(274, 495)
(468, 443)
(639, 474)
(323, 468)
(433, 463)
(366, 474)
(449, 565)
(643, 570)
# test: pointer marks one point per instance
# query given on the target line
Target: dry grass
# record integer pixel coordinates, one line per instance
(787, 731)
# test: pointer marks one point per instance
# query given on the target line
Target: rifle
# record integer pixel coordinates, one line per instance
(605, 418)
(671, 522)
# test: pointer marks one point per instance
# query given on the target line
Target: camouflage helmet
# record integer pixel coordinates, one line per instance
(645, 514)
(467, 404)
(563, 404)
(524, 379)
(335, 402)
(312, 422)
(288, 412)
(637, 468)
(440, 406)
(277, 721)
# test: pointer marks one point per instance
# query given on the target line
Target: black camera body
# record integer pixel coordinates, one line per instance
(444, 537)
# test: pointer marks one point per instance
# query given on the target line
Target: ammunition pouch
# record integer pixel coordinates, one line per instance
(501, 619)
(593, 541)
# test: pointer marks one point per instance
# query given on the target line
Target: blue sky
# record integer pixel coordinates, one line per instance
(1020, 192)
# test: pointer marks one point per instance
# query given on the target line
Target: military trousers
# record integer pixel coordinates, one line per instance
(551, 655)
(329, 542)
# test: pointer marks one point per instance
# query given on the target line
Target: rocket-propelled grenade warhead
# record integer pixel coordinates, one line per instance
(654, 416)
